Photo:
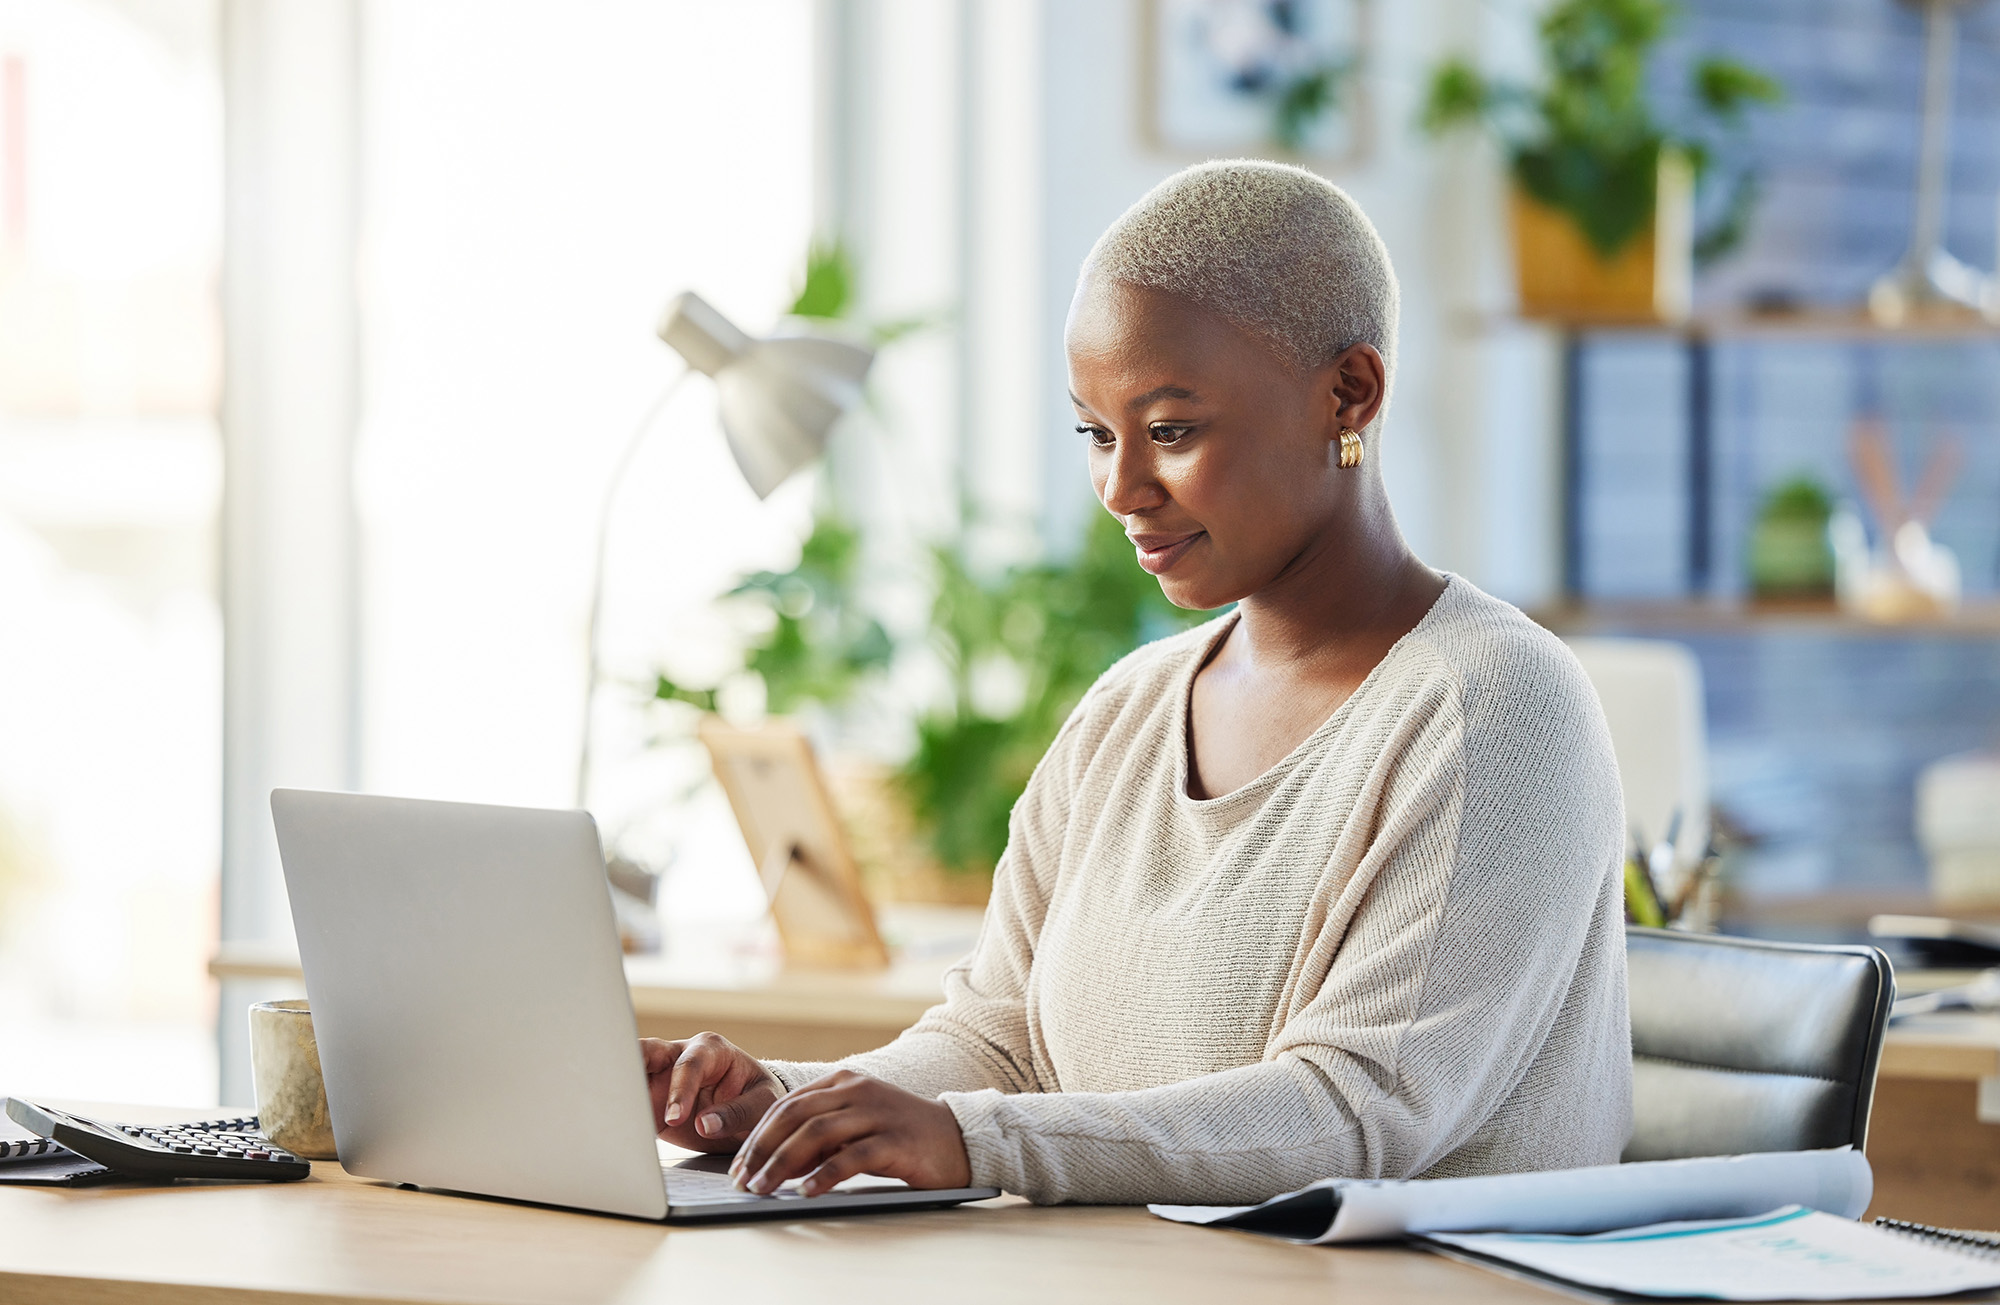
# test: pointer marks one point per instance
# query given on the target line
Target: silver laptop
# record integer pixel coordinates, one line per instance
(473, 1020)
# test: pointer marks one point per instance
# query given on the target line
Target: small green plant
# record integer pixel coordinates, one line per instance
(1789, 553)
(1587, 141)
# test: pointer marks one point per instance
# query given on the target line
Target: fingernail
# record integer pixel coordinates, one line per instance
(674, 1113)
(710, 1124)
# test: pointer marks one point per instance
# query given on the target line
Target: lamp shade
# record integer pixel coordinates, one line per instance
(779, 396)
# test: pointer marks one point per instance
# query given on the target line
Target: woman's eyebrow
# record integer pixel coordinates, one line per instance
(1159, 392)
(1153, 395)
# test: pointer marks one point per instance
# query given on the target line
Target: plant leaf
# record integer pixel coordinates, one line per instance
(828, 289)
(1726, 87)
(1459, 96)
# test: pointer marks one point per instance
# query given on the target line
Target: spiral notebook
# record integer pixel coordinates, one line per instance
(1956, 1239)
(1788, 1254)
(31, 1160)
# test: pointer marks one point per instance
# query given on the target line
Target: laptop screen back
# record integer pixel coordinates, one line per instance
(469, 999)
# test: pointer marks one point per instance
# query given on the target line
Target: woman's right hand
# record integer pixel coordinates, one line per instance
(708, 1093)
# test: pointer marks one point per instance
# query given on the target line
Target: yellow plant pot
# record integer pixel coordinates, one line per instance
(1561, 277)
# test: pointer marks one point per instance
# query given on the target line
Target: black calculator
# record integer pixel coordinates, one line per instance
(211, 1148)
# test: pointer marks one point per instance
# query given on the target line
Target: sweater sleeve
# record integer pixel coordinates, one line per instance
(1490, 871)
(977, 1038)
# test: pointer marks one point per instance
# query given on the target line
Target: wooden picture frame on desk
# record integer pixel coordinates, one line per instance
(788, 820)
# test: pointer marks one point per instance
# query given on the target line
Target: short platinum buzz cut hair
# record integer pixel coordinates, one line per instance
(1278, 251)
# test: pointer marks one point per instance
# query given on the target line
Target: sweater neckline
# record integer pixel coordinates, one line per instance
(1252, 793)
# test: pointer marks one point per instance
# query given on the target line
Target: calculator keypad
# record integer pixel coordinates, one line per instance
(232, 1139)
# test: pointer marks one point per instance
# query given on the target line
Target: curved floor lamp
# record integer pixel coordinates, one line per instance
(777, 398)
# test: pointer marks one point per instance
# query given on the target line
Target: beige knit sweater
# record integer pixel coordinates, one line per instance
(1399, 952)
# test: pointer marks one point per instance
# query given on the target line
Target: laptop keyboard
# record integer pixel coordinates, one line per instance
(705, 1180)
(703, 1185)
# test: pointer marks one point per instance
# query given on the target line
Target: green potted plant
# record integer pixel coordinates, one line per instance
(1603, 186)
(1790, 554)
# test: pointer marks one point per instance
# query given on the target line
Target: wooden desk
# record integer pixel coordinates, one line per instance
(336, 1238)
(1936, 1159)
(732, 981)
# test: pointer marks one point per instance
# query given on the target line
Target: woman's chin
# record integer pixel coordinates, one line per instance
(1193, 592)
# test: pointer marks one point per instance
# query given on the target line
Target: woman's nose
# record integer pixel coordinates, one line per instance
(1129, 483)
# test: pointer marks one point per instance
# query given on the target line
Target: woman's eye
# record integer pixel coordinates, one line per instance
(1166, 433)
(1100, 438)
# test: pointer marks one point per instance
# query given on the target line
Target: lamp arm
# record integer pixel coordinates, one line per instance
(611, 491)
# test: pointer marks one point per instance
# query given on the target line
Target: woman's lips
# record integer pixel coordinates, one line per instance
(1157, 553)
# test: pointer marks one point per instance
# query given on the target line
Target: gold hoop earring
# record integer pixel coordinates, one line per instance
(1350, 447)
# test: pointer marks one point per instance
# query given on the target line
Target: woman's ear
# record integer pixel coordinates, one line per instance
(1358, 385)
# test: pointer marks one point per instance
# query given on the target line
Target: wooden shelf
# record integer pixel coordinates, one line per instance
(1696, 616)
(1844, 909)
(1845, 323)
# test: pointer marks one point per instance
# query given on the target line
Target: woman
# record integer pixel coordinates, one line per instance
(1327, 886)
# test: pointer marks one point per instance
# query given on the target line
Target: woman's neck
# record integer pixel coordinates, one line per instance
(1346, 599)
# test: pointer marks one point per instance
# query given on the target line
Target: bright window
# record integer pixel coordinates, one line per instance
(110, 481)
(535, 191)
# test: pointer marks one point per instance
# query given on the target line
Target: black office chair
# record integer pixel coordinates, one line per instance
(1743, 1045)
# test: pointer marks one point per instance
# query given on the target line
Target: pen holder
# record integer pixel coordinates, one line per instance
(291, 1095)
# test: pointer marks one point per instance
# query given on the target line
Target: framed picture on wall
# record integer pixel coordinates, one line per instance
(1273, 78)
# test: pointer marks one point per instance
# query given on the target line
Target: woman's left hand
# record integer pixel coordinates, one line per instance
(847, 1124)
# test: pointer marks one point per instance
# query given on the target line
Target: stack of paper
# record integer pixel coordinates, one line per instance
(1555, 1201)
